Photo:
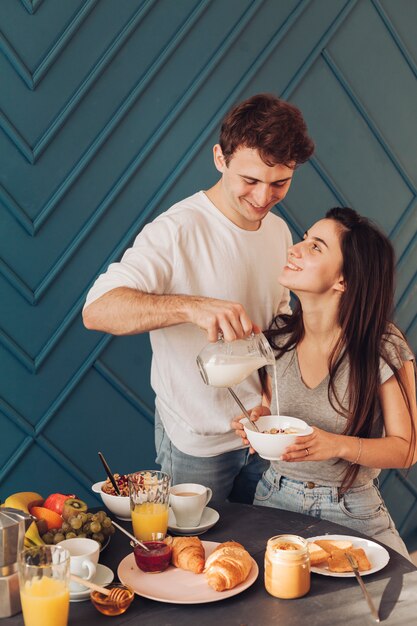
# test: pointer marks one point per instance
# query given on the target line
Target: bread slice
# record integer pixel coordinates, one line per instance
(338, 562)
(330, 545)
(317, 554)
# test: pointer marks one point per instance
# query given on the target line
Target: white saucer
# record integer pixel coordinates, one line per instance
(208, 519)
(104, 576)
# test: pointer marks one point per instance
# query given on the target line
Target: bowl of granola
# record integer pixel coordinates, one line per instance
(276, 432)
(119, 505)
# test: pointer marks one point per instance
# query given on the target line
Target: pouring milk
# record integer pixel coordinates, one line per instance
(226, 364)
(227, 370)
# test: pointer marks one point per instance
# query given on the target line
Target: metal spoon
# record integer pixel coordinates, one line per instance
(109, 474)
(137, 542)
(246, 414)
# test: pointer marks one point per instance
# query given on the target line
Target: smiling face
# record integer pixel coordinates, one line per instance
(249, 188)
(315, 264)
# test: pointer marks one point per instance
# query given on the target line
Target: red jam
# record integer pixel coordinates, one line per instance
(156, 559)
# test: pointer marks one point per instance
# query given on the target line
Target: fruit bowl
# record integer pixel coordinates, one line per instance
(271, 446)
(119, 505)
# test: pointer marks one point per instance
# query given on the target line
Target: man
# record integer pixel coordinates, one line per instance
(210, 263)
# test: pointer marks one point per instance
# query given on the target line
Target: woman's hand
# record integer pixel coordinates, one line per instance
(255, 414)
(319, 446)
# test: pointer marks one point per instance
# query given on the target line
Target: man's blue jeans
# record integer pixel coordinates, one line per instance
(231, 475)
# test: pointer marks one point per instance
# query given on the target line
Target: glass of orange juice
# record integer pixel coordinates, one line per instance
(44, 574)
(149, 501)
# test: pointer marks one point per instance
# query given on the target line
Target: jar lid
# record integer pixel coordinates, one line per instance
(287, 543)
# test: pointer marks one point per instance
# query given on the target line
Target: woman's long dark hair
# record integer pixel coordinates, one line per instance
(365, 311)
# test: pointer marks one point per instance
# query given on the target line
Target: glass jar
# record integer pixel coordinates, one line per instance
(287, 567)
(224, 364)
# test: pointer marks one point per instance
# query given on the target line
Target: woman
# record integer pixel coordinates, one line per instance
(347, 371)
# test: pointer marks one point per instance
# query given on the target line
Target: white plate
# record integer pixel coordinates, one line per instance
(104, 576)
(208, 519)
(177, 586)
(377, 556)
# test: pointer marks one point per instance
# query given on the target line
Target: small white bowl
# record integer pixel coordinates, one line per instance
(269, 446)
(119, 505)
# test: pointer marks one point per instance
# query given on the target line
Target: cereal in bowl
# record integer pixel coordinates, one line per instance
(121, 480)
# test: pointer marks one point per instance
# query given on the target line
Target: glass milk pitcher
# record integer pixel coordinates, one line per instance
(223, 364)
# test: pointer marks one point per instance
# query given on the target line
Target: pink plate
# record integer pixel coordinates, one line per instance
(176, 585)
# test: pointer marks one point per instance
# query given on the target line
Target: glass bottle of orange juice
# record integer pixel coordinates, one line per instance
(44, 585)
(149, 502)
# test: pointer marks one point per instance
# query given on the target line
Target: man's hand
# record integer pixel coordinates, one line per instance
(220, 317)
(126, 311)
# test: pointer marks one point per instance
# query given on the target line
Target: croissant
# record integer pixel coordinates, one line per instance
(188, 553)
(228, 566)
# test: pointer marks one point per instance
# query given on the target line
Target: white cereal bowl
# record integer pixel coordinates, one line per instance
(119, 505)
(269, 446)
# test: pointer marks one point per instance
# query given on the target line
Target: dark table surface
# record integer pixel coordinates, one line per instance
(331, 601)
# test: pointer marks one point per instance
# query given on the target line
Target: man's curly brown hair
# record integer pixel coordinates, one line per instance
(273, 127)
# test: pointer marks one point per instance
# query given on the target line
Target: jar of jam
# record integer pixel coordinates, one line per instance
(155, 559)
(287, 567)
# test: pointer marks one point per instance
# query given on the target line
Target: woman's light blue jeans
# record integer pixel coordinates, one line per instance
(361, 508)
(232, 475)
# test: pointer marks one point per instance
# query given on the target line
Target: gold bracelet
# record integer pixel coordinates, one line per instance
(355, 462)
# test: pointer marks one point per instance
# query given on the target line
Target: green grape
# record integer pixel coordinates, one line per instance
(106, 522)
(86, 528)
(83, 517)
(59, 537)
(65, 527)
(98, 537)
(75, 523)
(95, 527)
(48, 537)
(82, 535)
(70, 535)
(101, 515)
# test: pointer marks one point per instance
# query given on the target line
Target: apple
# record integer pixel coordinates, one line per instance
(55, 502)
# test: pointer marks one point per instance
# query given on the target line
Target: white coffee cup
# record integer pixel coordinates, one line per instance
(84, 555)
(188, 501)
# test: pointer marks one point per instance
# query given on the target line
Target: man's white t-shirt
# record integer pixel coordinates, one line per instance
(193, 249)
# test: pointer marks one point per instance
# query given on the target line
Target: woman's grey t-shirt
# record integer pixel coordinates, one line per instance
(313, 406)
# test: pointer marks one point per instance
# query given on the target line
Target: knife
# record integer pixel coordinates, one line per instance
(354, 565)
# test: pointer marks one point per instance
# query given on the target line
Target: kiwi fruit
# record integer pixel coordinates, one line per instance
(72, 507)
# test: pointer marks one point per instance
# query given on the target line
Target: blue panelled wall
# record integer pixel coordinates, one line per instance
(108, 113)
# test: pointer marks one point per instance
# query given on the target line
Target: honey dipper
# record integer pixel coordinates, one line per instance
(115, 595)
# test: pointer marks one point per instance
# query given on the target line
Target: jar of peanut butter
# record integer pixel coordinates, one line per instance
(287, 567)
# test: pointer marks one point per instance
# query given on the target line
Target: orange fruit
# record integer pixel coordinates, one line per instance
(53, 520)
